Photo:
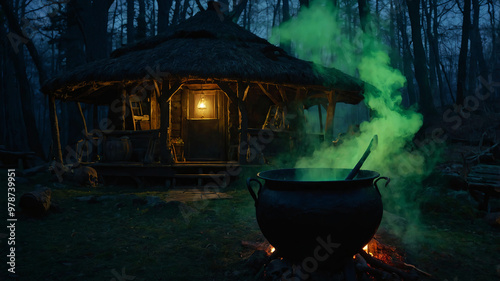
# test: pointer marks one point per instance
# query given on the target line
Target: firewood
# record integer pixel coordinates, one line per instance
(379, 264)
(362, 267)
(36, 203)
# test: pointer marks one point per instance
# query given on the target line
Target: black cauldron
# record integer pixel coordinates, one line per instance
(316, 217)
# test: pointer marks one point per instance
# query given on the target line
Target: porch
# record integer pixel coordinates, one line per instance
(207, 174)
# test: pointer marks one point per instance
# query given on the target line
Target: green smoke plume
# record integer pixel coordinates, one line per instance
(318, 34)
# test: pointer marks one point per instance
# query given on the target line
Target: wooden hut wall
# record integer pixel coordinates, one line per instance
(176, 115)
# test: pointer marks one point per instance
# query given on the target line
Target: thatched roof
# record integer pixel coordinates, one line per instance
(203, 47)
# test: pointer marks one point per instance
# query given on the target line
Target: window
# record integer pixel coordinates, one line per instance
(203, 105)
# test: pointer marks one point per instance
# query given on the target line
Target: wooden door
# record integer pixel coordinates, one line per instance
(204, 128)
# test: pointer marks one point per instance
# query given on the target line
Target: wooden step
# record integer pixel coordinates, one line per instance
(221, 178)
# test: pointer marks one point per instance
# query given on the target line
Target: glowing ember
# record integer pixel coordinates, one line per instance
(270, 250)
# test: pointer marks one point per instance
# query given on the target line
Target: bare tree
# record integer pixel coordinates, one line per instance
(419, 61)
(141, 21)
(130, 22)
(164, 7)
(42, 74)
(464, 48)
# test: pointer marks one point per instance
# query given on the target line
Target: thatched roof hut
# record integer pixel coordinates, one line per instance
(207, 58)
(203, 47)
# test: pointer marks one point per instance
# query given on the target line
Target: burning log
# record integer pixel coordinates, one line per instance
(374, 262)
(362, 267)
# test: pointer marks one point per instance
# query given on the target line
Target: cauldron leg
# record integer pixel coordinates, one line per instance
(349, 271)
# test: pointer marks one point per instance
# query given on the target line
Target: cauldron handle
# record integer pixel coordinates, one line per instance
(388, 180)
(254, 196)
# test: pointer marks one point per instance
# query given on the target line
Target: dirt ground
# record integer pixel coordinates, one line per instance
(123, 233)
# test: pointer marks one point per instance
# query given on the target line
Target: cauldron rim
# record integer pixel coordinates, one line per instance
(363, 175)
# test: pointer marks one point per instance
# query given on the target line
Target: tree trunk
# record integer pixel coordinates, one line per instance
(286, 45)
(304, 3)
(177, 11)
(94, 18)
(276, 13)
(407, 59)
(163, 14)
(462, 58)
(430, 41)
(419, 61)
(141, 21)
(364, 12)
(130, 22)
(435, 48)
(477, 43)
(16, 29)
(474, 52)
(27, 122)
(238, 9)
(185, 6)
(73, 37)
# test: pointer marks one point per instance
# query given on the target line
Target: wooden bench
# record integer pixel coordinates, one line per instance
(485, 179)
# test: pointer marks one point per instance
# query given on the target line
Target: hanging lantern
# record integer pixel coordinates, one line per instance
(202, 104)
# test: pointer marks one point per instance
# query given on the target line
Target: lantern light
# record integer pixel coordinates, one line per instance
(202, 103)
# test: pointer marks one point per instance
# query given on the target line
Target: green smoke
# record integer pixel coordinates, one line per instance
(318, 34)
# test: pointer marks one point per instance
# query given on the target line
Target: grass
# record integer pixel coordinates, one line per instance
(202, 240)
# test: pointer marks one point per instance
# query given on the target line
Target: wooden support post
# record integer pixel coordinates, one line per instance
(83, 119)
(132, 116)
(237, 97)
(282, 93)
(320, 115)
(167, 92)
(56, 139)
(96, 128)
(122, 125)
(330, 113)
(243, 145)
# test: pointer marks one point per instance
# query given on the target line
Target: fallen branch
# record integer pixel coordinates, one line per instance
(35, 170)
(411, 266)
(485, 152)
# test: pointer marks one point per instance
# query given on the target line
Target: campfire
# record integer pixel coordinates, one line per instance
(376, 261)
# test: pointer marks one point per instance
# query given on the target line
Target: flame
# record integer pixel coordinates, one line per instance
(270, 250)
(365, 248)
(202, 103)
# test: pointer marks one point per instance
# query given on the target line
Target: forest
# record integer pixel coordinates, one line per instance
(129, 128)
(448, 52)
